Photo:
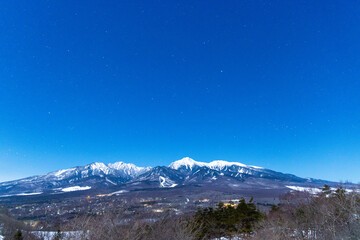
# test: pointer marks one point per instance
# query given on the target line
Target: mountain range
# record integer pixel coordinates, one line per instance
(185, 173)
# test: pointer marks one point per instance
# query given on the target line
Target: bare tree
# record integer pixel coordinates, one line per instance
(328, 215)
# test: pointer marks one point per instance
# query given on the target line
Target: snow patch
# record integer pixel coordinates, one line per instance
(45, 235)
(28, 194)
(75, 188)
(108, 180)
(305, 189)
(22, 194)
(119, 192)
(165, 182)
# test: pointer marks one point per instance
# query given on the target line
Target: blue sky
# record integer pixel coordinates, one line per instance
(267, 83)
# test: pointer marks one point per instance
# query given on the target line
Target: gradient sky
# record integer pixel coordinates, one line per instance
(267, 83)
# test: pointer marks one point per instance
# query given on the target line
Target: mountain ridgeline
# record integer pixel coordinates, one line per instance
(184, 173)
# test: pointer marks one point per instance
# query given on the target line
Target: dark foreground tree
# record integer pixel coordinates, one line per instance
(58, 235)
(18, 235)
(227, 220)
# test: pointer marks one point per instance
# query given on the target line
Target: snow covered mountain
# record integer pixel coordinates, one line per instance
(189, 163)
(93, 175)
(124, 171)
(181, 173)
(231, 169)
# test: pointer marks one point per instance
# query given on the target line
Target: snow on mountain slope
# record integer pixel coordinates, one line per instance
(128, 168)
(219, 165)
(166, 182)
(99, 167)
(186, 162)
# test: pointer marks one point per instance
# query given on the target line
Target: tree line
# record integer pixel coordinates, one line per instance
(330, 214)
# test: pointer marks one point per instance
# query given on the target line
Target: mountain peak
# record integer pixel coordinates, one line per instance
(120, 165)
(186, 162)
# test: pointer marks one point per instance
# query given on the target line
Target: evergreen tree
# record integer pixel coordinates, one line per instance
(326, 189)
(226, 220)
(18, 235)
(58, 235)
